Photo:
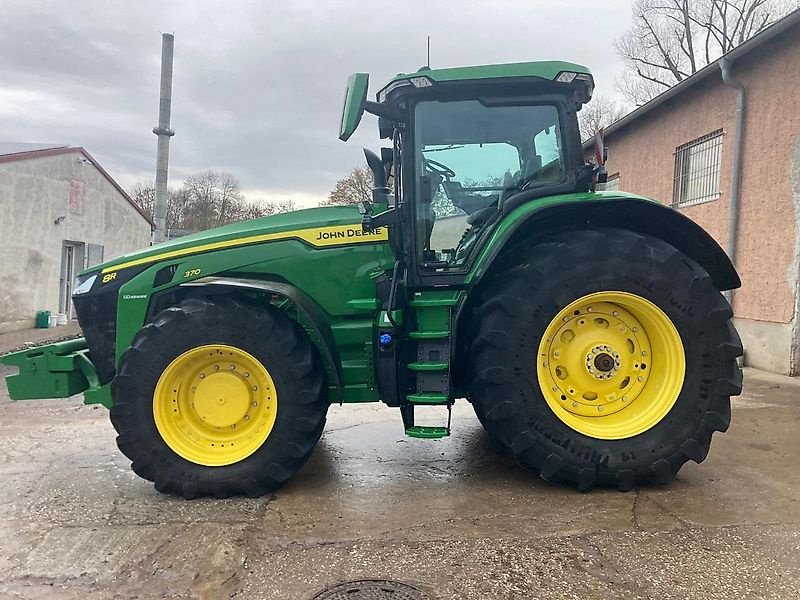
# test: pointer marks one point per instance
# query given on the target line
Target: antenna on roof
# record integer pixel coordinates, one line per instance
(428, 64)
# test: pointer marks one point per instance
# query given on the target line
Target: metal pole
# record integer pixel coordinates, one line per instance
(164, 133)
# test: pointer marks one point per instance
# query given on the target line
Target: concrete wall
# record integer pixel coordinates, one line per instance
(447, 231)
(34, 194)
(768, 243)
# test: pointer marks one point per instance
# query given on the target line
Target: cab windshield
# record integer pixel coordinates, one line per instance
(470, 157)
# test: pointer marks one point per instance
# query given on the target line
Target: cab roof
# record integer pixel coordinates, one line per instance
(546, 69)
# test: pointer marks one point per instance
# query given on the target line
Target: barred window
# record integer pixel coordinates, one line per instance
(697, 166)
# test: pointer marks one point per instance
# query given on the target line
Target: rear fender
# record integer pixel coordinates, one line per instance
(529, 223)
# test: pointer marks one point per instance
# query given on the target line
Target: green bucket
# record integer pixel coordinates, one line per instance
(43, 319)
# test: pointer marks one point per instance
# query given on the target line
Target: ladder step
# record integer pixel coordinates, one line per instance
(434, 302)
(428, 366)
(428, 335)
(419, 431)
(427, 398)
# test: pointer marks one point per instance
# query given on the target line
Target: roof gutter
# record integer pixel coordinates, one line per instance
(733, 212)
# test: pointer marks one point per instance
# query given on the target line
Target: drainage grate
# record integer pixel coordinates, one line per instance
(372, 589)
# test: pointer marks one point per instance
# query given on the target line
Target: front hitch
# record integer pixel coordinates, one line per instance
(57, 370)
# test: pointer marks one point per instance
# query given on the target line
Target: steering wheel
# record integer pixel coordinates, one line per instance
(439, 168)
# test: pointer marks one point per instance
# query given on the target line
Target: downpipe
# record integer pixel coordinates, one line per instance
(733, 213)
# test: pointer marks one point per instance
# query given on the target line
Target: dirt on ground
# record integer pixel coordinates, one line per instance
(454, 517)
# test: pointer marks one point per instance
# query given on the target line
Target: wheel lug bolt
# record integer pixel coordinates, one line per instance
(202, 375)
(640, 378)
(247, 417)
(600, 408)
(216, 367)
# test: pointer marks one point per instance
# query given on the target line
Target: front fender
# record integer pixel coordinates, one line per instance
(537, 219)
(312, 315)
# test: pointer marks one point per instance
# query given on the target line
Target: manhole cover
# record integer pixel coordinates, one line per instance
(371, 589)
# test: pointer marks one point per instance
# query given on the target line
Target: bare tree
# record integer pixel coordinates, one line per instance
(284, 206)
(207, 199)
(671, 40)
(144, 194)
(354, 188)
(599, 112)
(213, 199)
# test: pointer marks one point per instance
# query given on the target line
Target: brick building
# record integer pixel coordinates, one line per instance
(681, 149)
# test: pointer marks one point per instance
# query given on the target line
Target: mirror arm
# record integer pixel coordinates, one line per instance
(371, 222)
(382, 110)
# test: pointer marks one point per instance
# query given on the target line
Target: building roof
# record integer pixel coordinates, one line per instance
(777, 28)
(20, 147)
(14, 151)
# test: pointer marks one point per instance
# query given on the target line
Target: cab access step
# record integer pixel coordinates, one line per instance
(432, 311)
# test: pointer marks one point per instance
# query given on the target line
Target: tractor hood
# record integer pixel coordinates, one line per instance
(318, 227)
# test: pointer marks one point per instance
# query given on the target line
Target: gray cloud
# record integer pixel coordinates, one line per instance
(258, 86)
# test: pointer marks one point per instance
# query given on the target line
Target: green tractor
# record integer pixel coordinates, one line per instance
(586, 327)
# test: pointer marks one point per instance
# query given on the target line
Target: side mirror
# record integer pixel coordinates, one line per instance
(355, 99)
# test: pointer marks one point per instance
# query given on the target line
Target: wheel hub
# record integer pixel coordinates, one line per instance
(601, 364)
(221, 399)
(595, 361)
(215, 405)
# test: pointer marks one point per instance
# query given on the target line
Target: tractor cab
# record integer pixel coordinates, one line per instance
(468, 145)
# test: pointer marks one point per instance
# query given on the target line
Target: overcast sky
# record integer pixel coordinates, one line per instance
(258, 86)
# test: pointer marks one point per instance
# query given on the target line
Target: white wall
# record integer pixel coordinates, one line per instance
(34, 193)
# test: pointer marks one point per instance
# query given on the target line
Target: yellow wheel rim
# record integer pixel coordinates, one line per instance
(215, 405)
(611, 365)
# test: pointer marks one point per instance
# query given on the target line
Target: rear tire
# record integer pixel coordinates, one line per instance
(509, 369)
(175, 449)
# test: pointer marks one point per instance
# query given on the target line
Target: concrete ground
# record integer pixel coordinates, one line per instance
(454, 517)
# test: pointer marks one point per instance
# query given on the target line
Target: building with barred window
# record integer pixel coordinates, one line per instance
(60, 212)
(738, 178)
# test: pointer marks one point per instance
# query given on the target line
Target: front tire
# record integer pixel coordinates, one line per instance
(219, 398)
(607, 358)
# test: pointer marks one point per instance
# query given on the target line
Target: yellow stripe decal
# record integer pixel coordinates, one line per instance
(319, 237)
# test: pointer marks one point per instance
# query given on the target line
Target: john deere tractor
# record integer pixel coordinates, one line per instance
(586, 327)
